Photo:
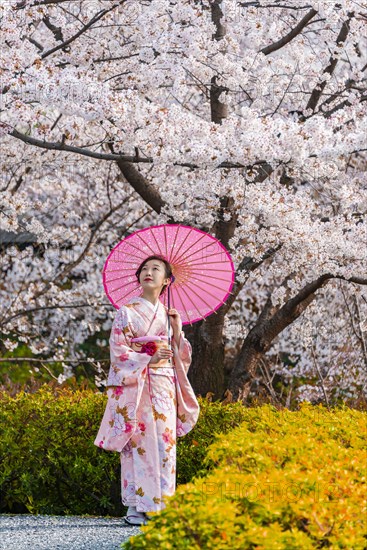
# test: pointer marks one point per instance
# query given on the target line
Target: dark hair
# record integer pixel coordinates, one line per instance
(167, 267)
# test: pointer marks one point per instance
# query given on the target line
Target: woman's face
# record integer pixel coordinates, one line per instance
(153, 275)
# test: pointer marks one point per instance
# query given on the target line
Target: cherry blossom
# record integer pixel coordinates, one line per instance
(108, 125)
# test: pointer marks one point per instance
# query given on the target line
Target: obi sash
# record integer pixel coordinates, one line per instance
(150, 344)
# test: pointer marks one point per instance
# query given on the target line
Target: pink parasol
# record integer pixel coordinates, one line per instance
(203, 269)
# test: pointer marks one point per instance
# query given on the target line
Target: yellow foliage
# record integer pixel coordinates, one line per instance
(282, 480)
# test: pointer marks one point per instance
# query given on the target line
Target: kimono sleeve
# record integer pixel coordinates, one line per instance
(185, 351)
(125, 362)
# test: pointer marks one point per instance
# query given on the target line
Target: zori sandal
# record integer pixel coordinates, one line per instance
(133, 519)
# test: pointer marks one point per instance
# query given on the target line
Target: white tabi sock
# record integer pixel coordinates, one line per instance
(133, 511)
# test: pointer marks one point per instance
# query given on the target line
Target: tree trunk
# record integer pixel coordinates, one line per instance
(206, 373)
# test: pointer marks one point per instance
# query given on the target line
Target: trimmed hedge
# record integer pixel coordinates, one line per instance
(282, 481)
(49, 464)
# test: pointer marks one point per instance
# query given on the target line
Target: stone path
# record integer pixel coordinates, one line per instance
(27, 532)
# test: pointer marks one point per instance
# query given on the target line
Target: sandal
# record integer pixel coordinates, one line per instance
(133, 519)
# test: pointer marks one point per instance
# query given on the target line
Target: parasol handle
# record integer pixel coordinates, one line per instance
(169, 320)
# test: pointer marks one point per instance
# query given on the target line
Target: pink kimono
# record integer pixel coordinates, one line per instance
(148, 407)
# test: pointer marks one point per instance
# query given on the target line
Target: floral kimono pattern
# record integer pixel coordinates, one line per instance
(148, 407)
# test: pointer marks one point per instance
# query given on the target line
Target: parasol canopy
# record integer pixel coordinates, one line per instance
(202, 267)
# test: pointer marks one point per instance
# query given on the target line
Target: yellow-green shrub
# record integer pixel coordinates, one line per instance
(214, 419)
(283, 481)
(49, 464)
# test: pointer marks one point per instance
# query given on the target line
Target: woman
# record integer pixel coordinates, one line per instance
(150, 399)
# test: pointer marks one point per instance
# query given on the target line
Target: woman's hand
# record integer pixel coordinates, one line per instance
(176, 323)
(161, 353)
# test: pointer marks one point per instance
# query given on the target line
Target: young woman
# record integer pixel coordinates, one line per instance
(150, 399)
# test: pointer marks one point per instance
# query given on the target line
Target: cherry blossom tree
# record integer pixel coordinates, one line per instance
(246, 119)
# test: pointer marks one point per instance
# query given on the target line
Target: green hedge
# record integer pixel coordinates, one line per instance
(49, 464)
(282, 481)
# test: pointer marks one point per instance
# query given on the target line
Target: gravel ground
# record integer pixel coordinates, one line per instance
(27, 532)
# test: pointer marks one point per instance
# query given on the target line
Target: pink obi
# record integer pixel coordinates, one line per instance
(149, 345)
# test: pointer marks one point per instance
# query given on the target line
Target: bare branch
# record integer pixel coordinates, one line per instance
(43, 308)
(35, 360)
(141, 185)
(317, 91)
(321, 378)
(219, 110)
(268, 326)
(56, 31)
(278, 5)
(62, 146)
(23, 4)
(292, 34)
(248, 264)
(61, 275)
(94, 19)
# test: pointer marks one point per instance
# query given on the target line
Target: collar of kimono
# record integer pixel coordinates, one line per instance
(153, 307)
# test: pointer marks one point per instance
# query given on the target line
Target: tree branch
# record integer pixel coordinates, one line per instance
(248, 264)
(268, 326)
(279, 6)
(56, 31)
(23, 4)
(62, 146)
(296, 305)
(66, 270)
(35, 360)
(317, 91)
(141, 185)
(42, 308)
(292, 34)
(94, 19)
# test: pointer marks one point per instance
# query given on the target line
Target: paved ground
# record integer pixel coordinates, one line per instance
(27, 532)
